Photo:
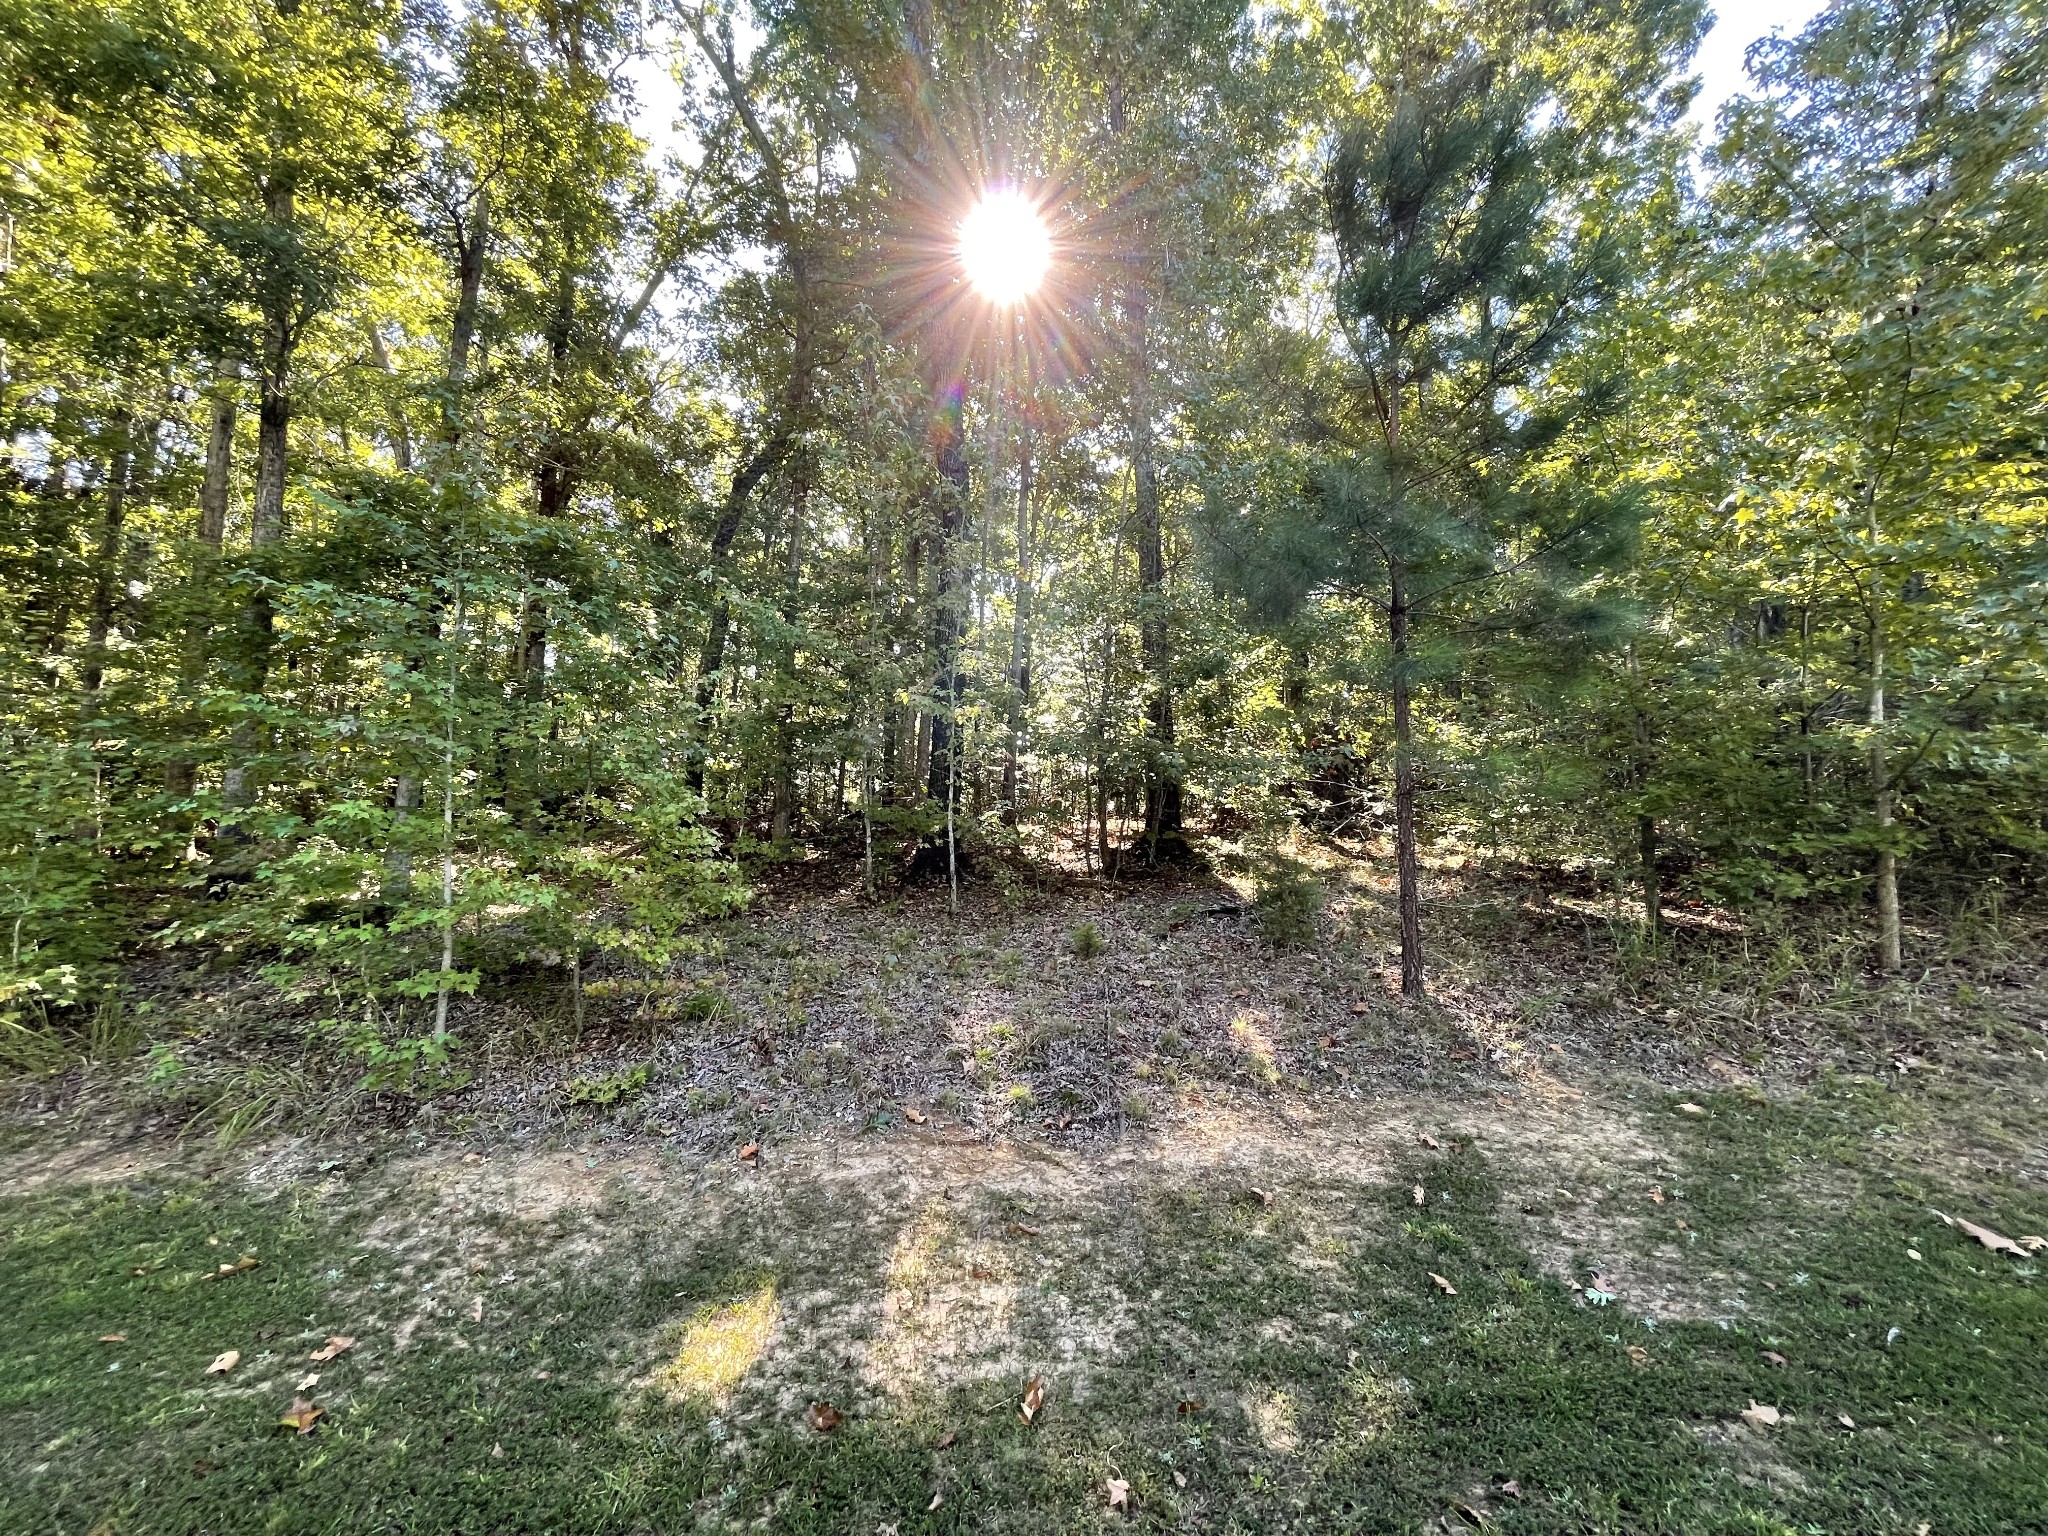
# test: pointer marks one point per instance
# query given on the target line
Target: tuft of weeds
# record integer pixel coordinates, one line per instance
(626, 1083)
(1286, 904)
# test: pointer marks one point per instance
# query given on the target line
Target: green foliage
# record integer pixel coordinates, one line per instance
(1087, 940)
(626, 1083)
(433, 533)
(1286, 902)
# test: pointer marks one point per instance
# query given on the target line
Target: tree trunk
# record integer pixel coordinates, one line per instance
(1408, 867)
(181, 773)
(1890, 945)
(470, 248)
(1163, 835)
(266, 517)
(1020, 633)
(401, 434)
(1653, 887)
(785, 725)
(711, 659)
(942, 780)
(106, 569)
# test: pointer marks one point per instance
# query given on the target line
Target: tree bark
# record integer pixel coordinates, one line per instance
(266, 517)
(401, 434)
(1408, 865)
(470, 248)
(1020, 633)
(1163, 835)
(106, 568)
(951, 506)
(181, 772)
(1890, 941)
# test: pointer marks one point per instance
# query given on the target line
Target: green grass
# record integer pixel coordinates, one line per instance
(1341, 1391)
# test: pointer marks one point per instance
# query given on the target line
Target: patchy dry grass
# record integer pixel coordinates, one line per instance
(1173, 1178)
(1235, 1317)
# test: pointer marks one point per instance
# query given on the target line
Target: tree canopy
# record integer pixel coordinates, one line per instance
(441, 529)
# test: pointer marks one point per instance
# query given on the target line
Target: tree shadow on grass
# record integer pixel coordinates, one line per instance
(1243, 1363)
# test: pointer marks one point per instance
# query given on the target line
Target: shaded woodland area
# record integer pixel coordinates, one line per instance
(446, 533)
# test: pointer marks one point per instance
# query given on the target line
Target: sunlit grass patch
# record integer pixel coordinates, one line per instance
(720, 1345)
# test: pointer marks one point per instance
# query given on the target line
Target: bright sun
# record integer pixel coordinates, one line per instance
(1004, 246)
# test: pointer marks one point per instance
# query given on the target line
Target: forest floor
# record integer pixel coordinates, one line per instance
(907, 1221)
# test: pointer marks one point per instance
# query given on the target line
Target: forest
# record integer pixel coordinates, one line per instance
(1010, 765)
(429, 508)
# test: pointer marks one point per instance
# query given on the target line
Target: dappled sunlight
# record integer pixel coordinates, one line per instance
(1251, 1036)
(949, 1313)
(720, 1345)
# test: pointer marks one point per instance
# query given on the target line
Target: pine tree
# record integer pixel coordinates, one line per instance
(1464, 266)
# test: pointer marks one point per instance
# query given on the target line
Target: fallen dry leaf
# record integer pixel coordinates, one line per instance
(938, 1498)
(1995, 1241)
(1428, 1141)
(472, 1157)
(337, 1344)
(1420, 1197)
(497, 1451)
(1690, 1108)
(750, 1151)
(1188, 1405)
(945, 1442)
(1640, 1355)
(113, 1338)
(1657, 1196)
(1180, 1479)
(308, 1382)
(1018, 1229)
(1034, 1398)
(1442, 1284)
(824, 1418)
(913, 1114)
(247, 1261)
(224, 1362)
(2033, 1244)
(1845, 1421)
(1119, 1493)
(476, 1310)
(302, 1415)
(1511, 1488)
(1775, 1358)
(1263, 1197)
(1762, 1414)
(1361, 1007)
(1471, 1514)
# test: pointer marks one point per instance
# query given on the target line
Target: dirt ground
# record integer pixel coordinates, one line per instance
(1263, 1244)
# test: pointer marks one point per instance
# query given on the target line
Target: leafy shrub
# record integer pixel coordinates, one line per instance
(1087, 941)
(1287, 903)
(626, 1083)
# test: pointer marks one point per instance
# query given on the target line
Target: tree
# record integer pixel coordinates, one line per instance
(1472, 247)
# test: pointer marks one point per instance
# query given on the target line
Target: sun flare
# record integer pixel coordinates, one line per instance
(1004, 246)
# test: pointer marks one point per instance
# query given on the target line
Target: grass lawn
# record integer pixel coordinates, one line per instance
(1248, 1342)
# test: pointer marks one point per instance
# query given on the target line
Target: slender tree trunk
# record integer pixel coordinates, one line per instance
(106, 568)
(1408, 866)
(471, 246)
(1890, 945)
(1020, 633)
(711, 658)
(785, 725)
(266, 516)
(942, 779)
(401, 434)
(1646, 824)
(181, 772)
(1163, 794)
